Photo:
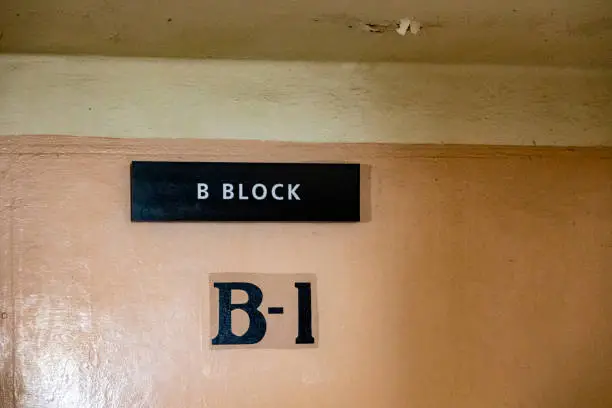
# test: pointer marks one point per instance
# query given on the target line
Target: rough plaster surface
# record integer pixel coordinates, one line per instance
(309, 102)
(482, 280)
(521, 32)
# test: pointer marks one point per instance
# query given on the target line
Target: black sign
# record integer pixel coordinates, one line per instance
(184, 191)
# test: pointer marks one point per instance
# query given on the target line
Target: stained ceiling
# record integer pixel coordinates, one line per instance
(523, 32)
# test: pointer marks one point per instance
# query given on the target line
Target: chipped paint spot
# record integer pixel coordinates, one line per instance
(377, 28)
(115, 37)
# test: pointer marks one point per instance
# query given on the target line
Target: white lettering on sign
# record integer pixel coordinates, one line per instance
(228, 191)
(241, 196)
(259, 191)
(277, 197)
(202, 191)
(293, 191)
(263, 193)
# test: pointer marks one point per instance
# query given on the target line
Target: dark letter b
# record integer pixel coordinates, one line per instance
(257, 321)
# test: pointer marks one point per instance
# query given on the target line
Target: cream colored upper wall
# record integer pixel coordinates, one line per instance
(323, 102)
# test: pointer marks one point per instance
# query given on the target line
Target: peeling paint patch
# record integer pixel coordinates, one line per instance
(401, 26)
(407, 24)
(377, 28)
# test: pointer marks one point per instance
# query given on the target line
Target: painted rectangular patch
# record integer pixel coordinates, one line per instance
(264, 192)
(273, 311)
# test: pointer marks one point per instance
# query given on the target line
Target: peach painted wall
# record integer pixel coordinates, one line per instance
(482, 280)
